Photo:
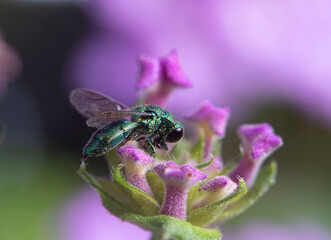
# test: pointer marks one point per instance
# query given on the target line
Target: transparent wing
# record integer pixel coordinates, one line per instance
(90, 103)
(103, 119)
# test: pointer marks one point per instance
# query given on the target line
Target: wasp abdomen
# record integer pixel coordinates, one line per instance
(108, 138)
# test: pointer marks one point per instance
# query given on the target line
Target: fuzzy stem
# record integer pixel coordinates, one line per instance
(175, 202)
(139, 181)
(156, 236)
(161, 96)
(247, 169)
(208, 147)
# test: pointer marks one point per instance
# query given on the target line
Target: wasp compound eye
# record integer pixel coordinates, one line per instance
(175, 135)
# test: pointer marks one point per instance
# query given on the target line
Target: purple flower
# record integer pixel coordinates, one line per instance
(159, 77)
(259, 141)
(164, 69)
(136, 163)
(213, 121)
(177, 180)
(150, 69)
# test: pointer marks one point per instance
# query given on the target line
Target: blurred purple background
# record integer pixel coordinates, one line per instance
(236, 54)
(267, 60)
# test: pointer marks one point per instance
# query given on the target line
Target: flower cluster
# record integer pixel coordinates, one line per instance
(177, 193)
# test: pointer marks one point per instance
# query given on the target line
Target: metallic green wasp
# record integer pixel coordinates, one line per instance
(151, 125)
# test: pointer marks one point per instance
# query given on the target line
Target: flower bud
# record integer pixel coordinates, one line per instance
(136, 163)
(218, 188)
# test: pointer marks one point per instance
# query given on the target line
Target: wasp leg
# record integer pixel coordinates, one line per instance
(148, 145)
(133, 135)
(162, 146)
(140, 138)
(159, 143)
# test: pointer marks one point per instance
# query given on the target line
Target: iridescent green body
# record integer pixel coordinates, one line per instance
(153, 130)
(108, 138)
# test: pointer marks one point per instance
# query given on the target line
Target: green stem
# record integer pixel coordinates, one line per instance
(156, 236)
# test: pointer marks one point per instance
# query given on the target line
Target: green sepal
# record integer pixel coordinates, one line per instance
(166, 228)
(197, 150)
(179, 151)
(142, 203)
(265, 179)
(112, 159)
(192, 196)
(205, 164)
(114, 189)
(205, 215)
(112, 204)
(156, 184)
(217, 148)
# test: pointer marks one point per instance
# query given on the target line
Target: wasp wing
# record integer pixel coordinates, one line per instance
(90, 103)
(103, 119)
